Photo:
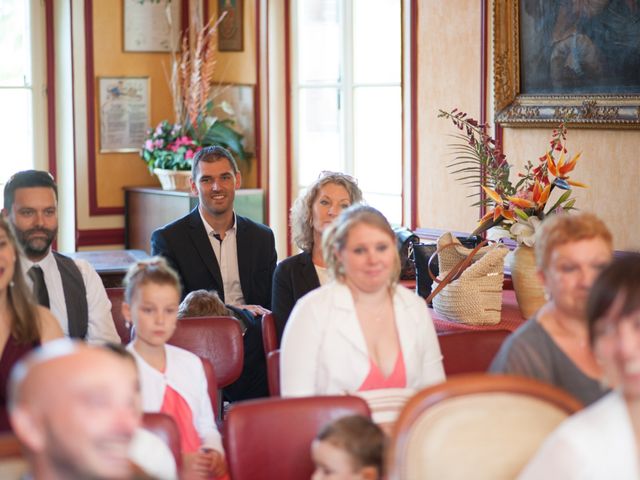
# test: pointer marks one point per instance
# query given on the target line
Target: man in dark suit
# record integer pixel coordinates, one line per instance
(212, 248)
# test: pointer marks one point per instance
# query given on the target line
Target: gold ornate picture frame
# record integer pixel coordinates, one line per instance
(517, 108)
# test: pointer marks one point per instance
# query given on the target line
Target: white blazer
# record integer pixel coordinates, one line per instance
(324, 351)
(185, 374)
(595, 443)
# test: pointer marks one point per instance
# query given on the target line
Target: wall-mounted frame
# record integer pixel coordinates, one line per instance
(241, 100)
(151, 26)
(230, 30)
(549, 65)
(124, 113)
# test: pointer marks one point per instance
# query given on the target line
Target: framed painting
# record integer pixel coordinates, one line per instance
(237, 102)
(230, 30)
(577, 61)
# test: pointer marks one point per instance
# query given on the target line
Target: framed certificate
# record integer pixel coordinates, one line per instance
(124, 113)
(151, 26)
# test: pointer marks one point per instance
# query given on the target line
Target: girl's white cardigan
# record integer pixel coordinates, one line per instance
(185, 374)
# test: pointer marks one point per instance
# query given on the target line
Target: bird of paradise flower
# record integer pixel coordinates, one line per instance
(522, 205)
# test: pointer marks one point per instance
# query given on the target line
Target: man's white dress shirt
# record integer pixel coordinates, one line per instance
(226, 252)
(100, 327)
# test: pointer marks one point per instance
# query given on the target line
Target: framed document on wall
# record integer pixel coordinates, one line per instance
(230, 31)
(124, 113)
(151, 26)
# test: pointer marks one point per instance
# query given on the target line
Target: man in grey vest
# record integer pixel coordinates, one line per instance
(71, 289)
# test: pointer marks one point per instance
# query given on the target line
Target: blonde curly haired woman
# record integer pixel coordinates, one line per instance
(312, 212)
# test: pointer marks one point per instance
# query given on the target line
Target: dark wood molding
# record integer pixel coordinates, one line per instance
(413, 52)
(483, 61)
(288, 126)
(261, 154)
(483, 85)
(184, 15)
(94, 208)
(106, 236)
(51, 85)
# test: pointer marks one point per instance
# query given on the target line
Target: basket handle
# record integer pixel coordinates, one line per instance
(455, 272)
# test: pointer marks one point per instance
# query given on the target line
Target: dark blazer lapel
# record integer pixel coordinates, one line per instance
(309, 278)
(200, 240)
(243, 247)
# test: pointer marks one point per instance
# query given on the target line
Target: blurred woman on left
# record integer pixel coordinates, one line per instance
(23, 323)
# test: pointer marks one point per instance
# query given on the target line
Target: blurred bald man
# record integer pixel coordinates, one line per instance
(75, 409)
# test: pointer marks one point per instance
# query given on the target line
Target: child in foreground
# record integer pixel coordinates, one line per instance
(350, 448)
(172, 379)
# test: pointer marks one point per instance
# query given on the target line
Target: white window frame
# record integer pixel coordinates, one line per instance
(39, 119)
(346, 87)
(35, 83)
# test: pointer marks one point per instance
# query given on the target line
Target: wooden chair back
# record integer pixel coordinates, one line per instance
(475, 426)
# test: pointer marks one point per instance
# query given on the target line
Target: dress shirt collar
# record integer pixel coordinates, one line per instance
(209, 229)
(46, 263)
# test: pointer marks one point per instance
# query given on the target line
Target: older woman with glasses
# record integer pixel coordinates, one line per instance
(312, 212)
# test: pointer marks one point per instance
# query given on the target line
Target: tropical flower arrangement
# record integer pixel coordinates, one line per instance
(172, 145)
(513, 210)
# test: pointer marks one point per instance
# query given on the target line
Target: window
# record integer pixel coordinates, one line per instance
(22, 119)
(347, 79)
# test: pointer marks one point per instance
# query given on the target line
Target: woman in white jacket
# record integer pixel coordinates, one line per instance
(362, 331)
(172, 379)
(603, 441)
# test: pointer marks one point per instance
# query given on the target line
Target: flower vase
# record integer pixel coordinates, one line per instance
(173, 179)
(526, 283)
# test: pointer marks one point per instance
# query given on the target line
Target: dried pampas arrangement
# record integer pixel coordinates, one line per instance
(192, 74)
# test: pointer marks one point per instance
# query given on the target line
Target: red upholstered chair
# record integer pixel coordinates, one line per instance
(271, 438)
(471, 350)
(212, 387)
(273, 372)
(165, 427)
(475, 426)
(269, 334)
(216, 339)
(116, 296)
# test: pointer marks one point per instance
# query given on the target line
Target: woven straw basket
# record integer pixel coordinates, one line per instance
(475, 297)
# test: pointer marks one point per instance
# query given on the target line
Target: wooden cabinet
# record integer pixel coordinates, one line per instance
(148, 208)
